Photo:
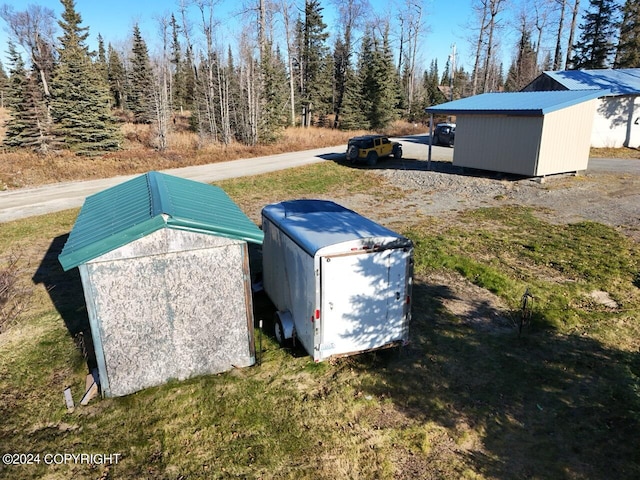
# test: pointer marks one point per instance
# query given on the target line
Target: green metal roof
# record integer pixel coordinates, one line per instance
(129, 211)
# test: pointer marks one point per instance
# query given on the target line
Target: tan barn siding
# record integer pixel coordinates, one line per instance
(498, 143)
(566, 137)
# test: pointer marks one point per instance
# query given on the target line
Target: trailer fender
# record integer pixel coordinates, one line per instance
(284, 322)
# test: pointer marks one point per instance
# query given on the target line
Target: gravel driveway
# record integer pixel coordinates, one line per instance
(608, 192)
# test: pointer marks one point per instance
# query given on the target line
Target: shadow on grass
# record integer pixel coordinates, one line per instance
(65, 290)
(544, 405)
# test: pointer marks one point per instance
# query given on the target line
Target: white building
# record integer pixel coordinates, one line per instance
(617, 119)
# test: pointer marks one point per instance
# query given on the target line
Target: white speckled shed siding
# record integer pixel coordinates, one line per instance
(171, 305)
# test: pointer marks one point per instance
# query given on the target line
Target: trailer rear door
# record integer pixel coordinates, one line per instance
(363, 301)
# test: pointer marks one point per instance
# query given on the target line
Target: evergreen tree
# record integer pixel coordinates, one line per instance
(140, 81)
(101, 60)
(80, 105)
(183, 79)
(4, 86)
(596, 44)
(274, 114)
(380, 81)
(116, 78)
(628, 50)
(29, 125)
(366, 77)
(524, 69)
(341, 63)
(433, 95)
(446, 74)
(351, 113)
(315, 73)
(16, 90)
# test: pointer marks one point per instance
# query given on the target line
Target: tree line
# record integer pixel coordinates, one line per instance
(67, 96)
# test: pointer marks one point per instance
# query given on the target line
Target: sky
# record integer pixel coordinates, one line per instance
(447, 23)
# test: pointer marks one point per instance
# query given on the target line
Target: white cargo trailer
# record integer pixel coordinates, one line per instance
(340, 282)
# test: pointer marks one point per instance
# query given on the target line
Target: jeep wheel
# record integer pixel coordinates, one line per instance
(397, 152)
(352, 153)
(372, 159)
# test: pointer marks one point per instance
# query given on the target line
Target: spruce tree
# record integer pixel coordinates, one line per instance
(80, 104)
(183, 80)
(380, 81)
(341, 63)
(351, 114)
(29, 125)
(116, 78)
(596, 44)
(366, 77)
(101, 60)
(16, 90)
(524, 69)
(315, 61)
(4, 86)
(628, 49)
(389, 103)
(274, 95)
(433, 95)
(140, 98)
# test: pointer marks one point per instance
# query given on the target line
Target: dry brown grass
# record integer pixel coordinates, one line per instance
(19, 169)
(615, 152)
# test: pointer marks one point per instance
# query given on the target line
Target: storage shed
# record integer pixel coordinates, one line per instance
(617, 116)
(165, 272)
(525, 133)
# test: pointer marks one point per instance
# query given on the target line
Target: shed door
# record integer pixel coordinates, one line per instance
(363, 301)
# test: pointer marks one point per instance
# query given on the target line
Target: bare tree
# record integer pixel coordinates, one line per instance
(162, 89)
(34, 30)
(286, 8)
(494, 9)
(481, 10)
(250, 104)
(572, 31)
(557, 60)
(412, 15)
(542, 10)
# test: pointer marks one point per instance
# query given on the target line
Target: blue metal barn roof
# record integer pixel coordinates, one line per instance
(133, 209)
(314, 224)
(517, 103)
(624, 81)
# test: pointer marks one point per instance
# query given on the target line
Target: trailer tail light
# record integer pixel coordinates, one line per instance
(317, 313)
(408, 300)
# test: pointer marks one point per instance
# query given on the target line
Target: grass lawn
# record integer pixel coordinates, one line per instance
(561, 400)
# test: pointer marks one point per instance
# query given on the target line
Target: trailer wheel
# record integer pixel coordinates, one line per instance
(280, 332)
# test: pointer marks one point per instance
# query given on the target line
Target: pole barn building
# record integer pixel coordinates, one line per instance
(165, 273)
(524, 133)
(617, 117)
